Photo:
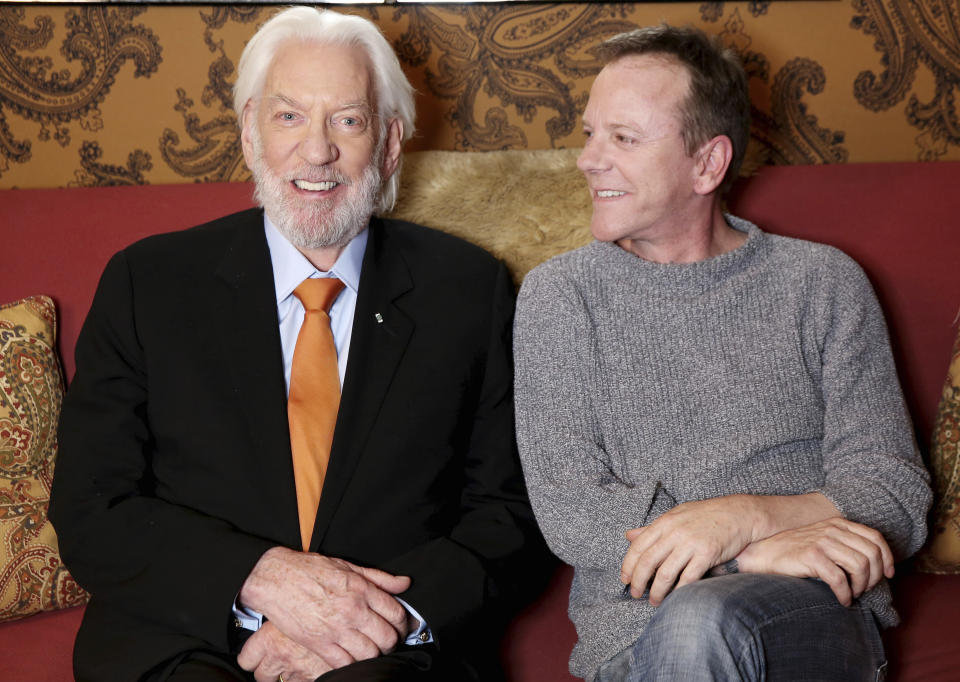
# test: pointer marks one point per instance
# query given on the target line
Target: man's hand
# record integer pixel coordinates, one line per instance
(335, 610)
(684, 543)
(269, 652)
(849, 557)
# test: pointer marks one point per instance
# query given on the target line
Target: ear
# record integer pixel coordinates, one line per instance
(248, 119)
(713, 159)
(394, 143)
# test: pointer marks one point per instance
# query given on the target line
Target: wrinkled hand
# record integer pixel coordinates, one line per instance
(684, 543)
(269, 652)
(335, 610)
(849, 557)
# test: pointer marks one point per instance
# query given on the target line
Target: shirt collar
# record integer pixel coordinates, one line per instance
(290, 267)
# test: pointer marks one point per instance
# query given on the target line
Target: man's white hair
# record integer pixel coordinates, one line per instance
(393, 92)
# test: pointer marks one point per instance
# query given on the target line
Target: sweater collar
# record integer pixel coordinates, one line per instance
(684, 278)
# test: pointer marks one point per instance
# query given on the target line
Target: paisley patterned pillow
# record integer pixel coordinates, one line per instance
(32, 577)
(942, 553)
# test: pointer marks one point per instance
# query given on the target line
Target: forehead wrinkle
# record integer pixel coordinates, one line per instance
(280, 98)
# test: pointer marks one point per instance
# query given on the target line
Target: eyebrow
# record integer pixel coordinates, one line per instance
(280, 98)
(283, 99)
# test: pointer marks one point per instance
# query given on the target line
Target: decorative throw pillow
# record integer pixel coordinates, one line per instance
(942, 553)
(32, 576)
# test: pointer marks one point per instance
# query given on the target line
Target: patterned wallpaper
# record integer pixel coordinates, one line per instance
(96, 94)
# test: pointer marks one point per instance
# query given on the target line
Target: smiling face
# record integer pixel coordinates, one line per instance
(642, 181)
(313, 142)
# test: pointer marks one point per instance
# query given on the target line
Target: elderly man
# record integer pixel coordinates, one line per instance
(708, 415)
(216, 493)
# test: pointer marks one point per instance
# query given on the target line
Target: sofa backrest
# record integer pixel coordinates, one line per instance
(57, 241)
(901, 221)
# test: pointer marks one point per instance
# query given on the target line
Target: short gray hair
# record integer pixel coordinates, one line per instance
(718, 102)
(394, 94)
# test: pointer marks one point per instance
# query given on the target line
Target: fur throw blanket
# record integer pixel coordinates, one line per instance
(522, 206)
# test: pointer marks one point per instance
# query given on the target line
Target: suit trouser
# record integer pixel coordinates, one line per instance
(753, 627)
(413, 664)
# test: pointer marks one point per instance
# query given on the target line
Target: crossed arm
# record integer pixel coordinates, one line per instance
(861, 494)
(801, 536)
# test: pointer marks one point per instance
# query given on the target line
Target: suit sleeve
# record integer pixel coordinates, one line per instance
(126, 539)
(465, 582)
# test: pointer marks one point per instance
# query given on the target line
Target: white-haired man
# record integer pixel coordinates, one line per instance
(228, 510)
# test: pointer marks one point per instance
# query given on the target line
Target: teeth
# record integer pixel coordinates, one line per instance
(315, 186)
(607, 193)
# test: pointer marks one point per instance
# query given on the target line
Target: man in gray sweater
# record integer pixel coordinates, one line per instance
(709, 416)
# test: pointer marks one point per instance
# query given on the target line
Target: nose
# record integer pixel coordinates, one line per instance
(591, 158)
(317, 147)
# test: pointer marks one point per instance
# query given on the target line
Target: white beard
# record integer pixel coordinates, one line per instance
(316, 224)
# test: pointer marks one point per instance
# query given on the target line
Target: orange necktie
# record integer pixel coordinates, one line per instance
(314, 397)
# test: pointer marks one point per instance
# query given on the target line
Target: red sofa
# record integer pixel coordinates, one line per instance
(900, 221)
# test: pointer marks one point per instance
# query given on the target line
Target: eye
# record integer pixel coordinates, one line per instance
(286, 116)
(624, 139)
(352, 123)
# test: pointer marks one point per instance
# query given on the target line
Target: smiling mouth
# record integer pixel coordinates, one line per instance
(608, 193)
(322, 186)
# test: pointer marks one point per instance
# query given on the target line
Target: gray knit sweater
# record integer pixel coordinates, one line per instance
(766, 370)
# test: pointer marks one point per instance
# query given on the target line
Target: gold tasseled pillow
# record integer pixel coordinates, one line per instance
(942, 553)
(32, 576)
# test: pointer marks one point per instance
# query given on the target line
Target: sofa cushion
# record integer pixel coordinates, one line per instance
(32, 577)
(942, 553)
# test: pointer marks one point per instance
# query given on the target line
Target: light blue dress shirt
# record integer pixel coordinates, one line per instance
(290, 268)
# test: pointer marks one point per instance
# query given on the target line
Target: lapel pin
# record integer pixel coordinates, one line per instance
(379, 318)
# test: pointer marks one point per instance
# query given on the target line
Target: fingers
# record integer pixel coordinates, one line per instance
(394, 584)
(392, 614)
(268, 653)
(860, 551)
(876, 538)
(381, 600)
(641, 562)
(849, 557)
(663, 558)
(328, 606)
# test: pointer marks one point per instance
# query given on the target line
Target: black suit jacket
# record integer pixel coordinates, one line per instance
(175, 475)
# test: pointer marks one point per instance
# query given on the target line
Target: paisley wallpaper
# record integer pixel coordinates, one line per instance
(101, 94)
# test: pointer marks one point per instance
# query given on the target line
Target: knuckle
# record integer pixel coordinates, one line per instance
(396, 613)
(354, 582)
(335, 656)
(391, 639)
(366, 649)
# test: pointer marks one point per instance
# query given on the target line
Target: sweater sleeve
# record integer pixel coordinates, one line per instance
(873, 471)
(582, 503)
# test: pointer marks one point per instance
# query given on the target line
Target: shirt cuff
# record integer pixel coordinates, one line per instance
(246, 619)
(422, 635)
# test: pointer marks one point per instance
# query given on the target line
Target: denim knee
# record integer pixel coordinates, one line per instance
(704, 626)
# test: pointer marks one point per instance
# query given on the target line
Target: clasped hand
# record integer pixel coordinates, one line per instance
(849, 557)
(683, 544)
(690, 539)
(323, 613)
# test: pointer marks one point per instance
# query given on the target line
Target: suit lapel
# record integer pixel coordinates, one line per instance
(381, 332)
(243, 308)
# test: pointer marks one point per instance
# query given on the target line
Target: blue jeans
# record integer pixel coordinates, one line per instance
(753, 627)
